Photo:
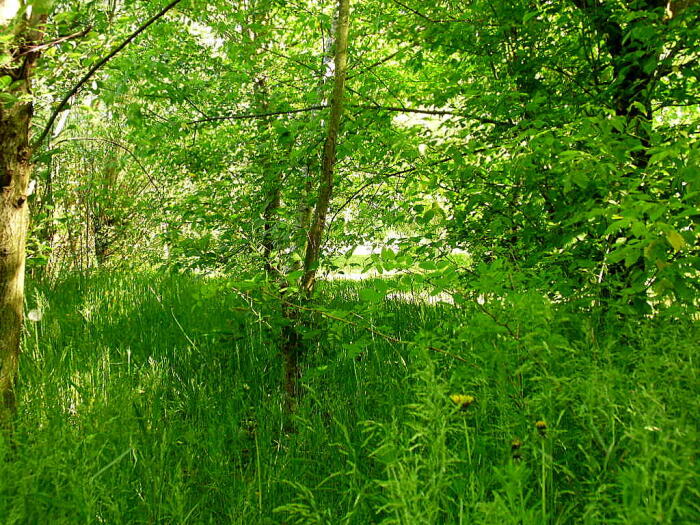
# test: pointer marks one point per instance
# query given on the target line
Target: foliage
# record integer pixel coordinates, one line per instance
(516, 184)
(150, 398)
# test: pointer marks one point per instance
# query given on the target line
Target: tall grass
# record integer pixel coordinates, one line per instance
(157, 399)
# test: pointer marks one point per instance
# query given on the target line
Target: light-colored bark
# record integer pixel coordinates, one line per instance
(325, 190)
(312, 226)
(15, 170)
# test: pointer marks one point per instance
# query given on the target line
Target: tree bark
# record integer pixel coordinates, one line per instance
(292, 344)
(635, 63)
(15, 170)
(325, 189)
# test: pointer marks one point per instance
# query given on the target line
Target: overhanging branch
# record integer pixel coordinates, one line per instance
(96, 68)
(436, 112)
(250, 116)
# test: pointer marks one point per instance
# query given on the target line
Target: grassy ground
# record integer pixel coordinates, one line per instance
(358, 262)
(156, 399)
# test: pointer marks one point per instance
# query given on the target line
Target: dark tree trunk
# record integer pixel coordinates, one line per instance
(634, 63)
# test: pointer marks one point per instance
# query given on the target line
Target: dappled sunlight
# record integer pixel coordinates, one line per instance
(349, 262)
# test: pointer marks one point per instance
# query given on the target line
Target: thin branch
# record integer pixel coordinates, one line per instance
(96, 68)
(258, 115)
(438, 112)
(449, 20)
(195, 106)
(570, 77)
(417, 13)
(512, 333)
(400, 174)
(387, 176)
(294, 60)
(374, 331)
(377, 63)
(120, 146)
(396, 174)
(40, 47)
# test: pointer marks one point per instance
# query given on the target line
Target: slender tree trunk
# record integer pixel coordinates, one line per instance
(313, 227)
(272, 184)
(325, 189)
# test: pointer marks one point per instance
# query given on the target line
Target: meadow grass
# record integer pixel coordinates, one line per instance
(156, 398)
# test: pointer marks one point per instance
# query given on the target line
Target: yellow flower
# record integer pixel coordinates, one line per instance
(515, 449)
(541, 427)
(462, 401)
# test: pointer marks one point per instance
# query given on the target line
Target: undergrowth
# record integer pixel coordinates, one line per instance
(157, 399)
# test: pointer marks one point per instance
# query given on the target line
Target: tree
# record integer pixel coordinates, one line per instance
(291, 339)
(19, 57)
(325, 184)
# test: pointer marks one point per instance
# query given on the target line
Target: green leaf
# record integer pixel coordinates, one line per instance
(427, 265)
(676, 240)
(370, 295)
(388, 254)
(632, 256)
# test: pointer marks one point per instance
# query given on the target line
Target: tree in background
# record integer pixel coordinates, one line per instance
(553, 143)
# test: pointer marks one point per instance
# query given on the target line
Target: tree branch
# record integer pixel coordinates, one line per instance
(258, 115)
(95, 68)
(120, 146)
(377, 63)
(382, 177)
(439, 112)
(40, 47)
(386, 337)
(417, 13)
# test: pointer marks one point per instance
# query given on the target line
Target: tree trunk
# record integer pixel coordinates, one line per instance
(292, 344)
(15, 169)
(635, 66)
(325, 190)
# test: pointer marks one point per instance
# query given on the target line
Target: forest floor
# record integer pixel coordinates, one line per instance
(157, 399)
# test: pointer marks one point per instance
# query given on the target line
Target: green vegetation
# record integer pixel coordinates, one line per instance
(153, 399)
(191, 332)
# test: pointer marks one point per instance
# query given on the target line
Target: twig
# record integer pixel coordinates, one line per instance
(381, 181)
(377, 63)
(495, 320)
(417, 13)
(120, 146)
(258, 115)
(438, 112)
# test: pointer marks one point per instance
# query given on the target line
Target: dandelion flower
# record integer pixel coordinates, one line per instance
(541, 427)
(515, 449)
(462, 401)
